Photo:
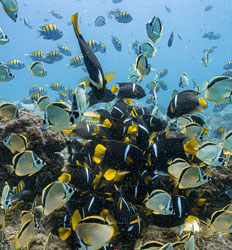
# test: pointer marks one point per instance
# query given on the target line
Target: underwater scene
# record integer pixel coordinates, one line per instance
(115, 124)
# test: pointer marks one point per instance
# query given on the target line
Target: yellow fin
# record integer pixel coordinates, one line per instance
(110, 174)
(69, 131)
(99, 153)
(109, 76)
(133, 129)
(76, 218)
(127, 140)
(64, 233)
(92, 114)
(107, 123)
(202, 102)
(65, 178)
(128, 101)
(191, 147)
(120, 175)
(115, 89)
(75, 24)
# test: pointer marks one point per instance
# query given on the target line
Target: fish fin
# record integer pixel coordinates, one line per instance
(92, 114)
(12, 151)
(65, 178)
(107, 123)
(109, 76)
(64, 233)
(69, 131)
(115, 89)
(204, 85)
(76, 218)
(10, 168)
(110, 174)
(75, 24)
(99, 153)
(191, 147)
(128, 101)
(202, 102)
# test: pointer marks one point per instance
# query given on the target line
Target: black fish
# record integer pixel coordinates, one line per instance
(97, 78)
(170, 40)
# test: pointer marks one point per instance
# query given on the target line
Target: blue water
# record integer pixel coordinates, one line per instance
(187, 18)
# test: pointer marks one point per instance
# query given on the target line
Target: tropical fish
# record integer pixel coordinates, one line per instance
(15, 142)
(154, 29)
(3, 37)
(56, 14)
(76, 62)
(147, 49)
(8, 111)
(36, 55)
(170, 40)
(11, 8)
(5, 74)
(100, 21)
(26, 163)
(37, 69)
(184, 80)
(142, 65)
(15, 64)
(123, 17)
(64, 50)
(55, 195)
(116, 42)
(50, 32)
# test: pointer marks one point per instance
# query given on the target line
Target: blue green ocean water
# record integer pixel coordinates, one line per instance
(187, 18)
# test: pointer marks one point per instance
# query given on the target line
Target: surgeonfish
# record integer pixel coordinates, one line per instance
(50, 32)
(26, 163)
(97, 78)
(37, 69)
(154, 29)
(5, 74)
(185, 102)
(55, 195)
(56, 116)
(219, 90)
(8, 111)
(11, 8)
(3, 37)
(160, 202)
(16, 142)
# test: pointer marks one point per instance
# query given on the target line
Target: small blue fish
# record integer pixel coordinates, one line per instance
(123, 17)
(100, 21)
(117, 44)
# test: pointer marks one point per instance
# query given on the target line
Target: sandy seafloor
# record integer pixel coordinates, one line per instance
(46, 145)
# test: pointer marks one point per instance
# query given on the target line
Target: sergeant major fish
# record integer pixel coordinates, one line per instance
(50, 32)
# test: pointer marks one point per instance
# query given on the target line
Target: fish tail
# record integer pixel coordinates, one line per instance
(75, 24)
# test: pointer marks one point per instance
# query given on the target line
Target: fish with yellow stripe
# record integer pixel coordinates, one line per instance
(76, 62)
(15, 64)
(117, 43)
(53, 56)
(37, 55)
(123, 17)
(50, 32)
(64, 50)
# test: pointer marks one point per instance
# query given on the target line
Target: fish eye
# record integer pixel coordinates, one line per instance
(38, 161)
(220, 159)
(76, 114)
(70, 190)
(170, 209)
(10, 74)
(6, 36)
(204, 177)
(44, 122)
